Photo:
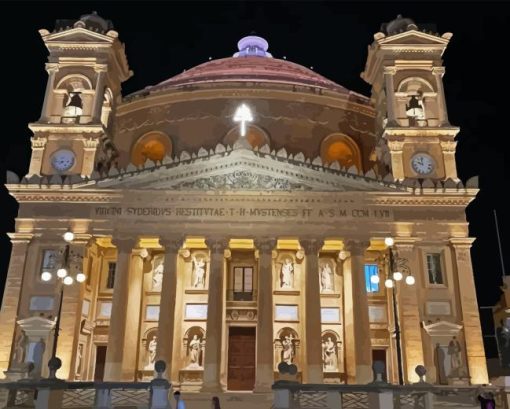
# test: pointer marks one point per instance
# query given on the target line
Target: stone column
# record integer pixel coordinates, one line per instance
(89, 155)
(264, 377)
(475, 352)
(97, 105)
(389, 73)
(361, 325)
(313, 327)
(396, 147)
(214, 330)
(409, 312)
(133, 307)
(71, 309)
(450, 168)
(115, 350)
(12, 295)
(438, 73)
(50, 85)
(167, 303)
(38, 145)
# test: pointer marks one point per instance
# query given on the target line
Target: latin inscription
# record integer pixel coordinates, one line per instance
(245, 212)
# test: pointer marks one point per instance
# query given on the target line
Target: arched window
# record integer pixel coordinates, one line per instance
(415, 89)
(255, 136)
(341, 148)
(153, 145)
(72, 89)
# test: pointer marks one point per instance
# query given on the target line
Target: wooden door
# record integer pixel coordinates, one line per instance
(100, 361)
(241, 359)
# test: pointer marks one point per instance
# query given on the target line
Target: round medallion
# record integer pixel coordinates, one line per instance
(422, 163)
(62, 160)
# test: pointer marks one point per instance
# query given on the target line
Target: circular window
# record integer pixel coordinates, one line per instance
(340, 148)
(154, 146)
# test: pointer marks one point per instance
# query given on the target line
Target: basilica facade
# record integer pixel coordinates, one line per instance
(245, 213)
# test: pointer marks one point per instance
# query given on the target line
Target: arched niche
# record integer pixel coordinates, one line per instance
(341, 148)
(328, 275)
(199, 274)
(256, 136)
(194, 347)
(287, 267)
(416, 92)
(286, 347)
(153, 145)
(331, 351)
(149, 347)
(73, 98)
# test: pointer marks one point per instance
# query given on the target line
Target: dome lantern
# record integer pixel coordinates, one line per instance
(252, 46)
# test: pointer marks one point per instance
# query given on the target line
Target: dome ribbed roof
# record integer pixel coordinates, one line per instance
(249, 69)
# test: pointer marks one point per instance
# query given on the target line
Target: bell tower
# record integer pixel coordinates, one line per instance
(86, 66)
(405, 68)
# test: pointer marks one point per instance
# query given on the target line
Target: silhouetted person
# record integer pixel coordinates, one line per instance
(503, 339)
(215, 403)
(179, 403)
(487, 401)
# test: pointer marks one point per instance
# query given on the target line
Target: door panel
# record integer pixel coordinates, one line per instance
(241, 359)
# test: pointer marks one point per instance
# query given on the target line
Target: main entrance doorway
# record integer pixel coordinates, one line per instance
(241, 359)
(100, 361)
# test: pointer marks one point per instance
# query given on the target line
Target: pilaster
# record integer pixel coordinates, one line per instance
(12, 294)
(476, 361)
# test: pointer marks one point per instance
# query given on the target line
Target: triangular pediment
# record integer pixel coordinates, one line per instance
(442, 328)
(76, 35)
(240, 169)
(414, 37)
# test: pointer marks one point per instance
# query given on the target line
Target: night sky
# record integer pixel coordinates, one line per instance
(164, 38)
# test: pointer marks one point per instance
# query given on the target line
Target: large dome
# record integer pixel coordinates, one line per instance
(251, 63)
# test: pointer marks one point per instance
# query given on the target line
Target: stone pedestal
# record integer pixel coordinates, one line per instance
(191, 380)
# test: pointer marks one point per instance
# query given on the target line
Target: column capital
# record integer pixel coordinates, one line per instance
(356, 247)
(18, 238)
(125, 244)
(405, 243)
(217, 244)
(438, 71)
(390, 70)
(265, 244)
(172, 243)
(462, 242)
(311, 246)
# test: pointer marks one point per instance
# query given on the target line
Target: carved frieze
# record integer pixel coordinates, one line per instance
(241, 314)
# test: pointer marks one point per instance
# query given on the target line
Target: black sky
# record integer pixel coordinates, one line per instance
(164, 38)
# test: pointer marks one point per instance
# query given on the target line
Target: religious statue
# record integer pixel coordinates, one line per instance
(287, 274)
(288, 349)
(199, 272)
(20, 348)
(194, 352)
(326, 278)
(503, 340)
(153, 346)
(440, 361)
(329, 356)
(454, 350)
(79, 358)
(37, 355)
(157, 277)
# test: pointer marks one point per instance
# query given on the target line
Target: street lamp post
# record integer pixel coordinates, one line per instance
(65, 279)
(394, 276)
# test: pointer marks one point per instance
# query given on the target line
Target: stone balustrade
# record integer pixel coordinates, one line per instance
(53, 393)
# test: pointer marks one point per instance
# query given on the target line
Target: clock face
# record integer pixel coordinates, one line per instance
(62, 160)
(422, 163)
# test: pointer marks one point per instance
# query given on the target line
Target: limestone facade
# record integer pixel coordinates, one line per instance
(225, 254)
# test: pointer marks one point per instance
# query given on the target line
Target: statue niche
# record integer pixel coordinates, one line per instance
(199, 270)
(330, 351)
(286, 346)
(150, 345)
(157, 270)
(327, 268)
(194, 345)
(286, 267)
